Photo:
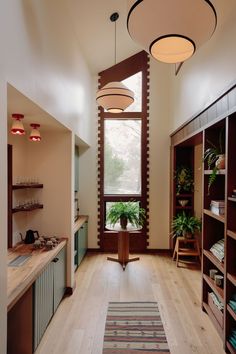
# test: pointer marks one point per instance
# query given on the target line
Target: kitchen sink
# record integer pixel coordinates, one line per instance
(19, 260)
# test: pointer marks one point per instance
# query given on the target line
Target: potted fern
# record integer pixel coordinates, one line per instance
(185, 225)
(126, 212)
(215, 158)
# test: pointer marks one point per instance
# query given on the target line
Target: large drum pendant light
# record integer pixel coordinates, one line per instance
(171, 30)
(115, 97)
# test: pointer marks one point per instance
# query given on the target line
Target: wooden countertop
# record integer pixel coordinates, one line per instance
(79, 222)
(19, 279)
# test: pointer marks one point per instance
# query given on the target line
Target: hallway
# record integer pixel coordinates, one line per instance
(78, 325)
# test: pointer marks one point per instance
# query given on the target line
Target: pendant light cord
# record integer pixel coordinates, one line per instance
(115, 42)
(114, 17)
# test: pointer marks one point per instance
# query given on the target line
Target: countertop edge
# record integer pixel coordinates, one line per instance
(21, 288)
(79, 222)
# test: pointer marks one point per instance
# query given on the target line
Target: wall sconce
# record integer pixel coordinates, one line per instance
(17, 125)
(35, 134)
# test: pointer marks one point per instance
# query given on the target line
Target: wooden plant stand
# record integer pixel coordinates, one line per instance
(182, 250)
(123, 249)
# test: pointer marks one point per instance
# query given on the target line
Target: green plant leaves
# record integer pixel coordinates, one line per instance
(183, 224)
(131, 210)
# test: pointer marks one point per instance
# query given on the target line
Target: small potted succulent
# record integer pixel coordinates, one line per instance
(126, 212)
(185, 225)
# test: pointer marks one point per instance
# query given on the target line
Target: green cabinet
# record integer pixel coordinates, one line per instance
(81, 244)
(49, 289)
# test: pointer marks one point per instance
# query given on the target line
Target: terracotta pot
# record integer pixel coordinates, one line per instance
(188, 235)
(123, 222)
(220, 162)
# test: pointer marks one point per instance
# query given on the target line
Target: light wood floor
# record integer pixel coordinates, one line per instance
(78, 324)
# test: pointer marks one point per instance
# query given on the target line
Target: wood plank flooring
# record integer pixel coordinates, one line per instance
(78, 325)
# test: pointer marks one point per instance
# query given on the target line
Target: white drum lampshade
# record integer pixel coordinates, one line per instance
(171, 30)
(115, 97)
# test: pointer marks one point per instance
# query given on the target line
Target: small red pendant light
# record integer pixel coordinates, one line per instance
(17, 125)
(35, 134)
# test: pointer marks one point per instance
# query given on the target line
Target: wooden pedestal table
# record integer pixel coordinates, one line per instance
(123, 248)
(182, 249)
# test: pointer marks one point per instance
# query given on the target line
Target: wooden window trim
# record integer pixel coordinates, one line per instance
(138, 240)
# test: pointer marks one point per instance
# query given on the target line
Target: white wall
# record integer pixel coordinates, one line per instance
(207, 74)
(159, 155)
(41, 58)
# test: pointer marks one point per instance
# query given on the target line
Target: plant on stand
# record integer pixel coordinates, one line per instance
(184, 225)
(126, 212)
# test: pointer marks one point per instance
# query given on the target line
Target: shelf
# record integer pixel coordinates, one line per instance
(24, 186)
(214, 320)
(209, 172)
(214, 260)
(187, 207)
(217, 217)
(232, 278)
(231, 311)
(17, 210)
(232, 199)
(230, 348)
(216, 289)
(231, 234)
(186, 195)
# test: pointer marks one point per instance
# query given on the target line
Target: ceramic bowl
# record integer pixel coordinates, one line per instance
(183, 202)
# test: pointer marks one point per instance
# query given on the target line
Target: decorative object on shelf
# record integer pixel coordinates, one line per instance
(183, 202)
(126, 212)
(169, 30)
(212, 273)
(115, 97)
(215, 157)
(35, 134)
(218, 207)
(219, 280)
(184, 179)
(185, 225)
(218, 250)
(17, 125)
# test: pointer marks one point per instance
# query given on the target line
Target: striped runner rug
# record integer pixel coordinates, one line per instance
(134, 328)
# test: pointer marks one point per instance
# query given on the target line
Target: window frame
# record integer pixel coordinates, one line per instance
(107, 240)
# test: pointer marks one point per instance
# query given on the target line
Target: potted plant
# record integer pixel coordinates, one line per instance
(185, 225)
(126, 212)
(184, 179)
(215, 158)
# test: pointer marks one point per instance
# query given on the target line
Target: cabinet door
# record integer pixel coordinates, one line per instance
(59, 280)
(43, 303)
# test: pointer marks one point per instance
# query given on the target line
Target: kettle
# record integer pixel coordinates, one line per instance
(29, 237)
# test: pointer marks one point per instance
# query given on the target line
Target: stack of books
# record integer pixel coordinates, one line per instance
(218, 207)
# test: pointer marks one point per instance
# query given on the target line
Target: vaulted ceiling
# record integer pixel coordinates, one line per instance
(95, 32)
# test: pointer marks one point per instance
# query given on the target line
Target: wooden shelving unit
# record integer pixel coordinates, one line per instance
(30, 208)
(216, 227)
(25, 186)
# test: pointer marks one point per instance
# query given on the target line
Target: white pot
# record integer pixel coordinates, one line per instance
(220, 162)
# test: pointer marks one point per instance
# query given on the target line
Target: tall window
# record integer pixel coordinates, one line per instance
(123, 150)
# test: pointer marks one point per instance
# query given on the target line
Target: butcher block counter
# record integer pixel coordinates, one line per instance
(19, 279)
(79, 222)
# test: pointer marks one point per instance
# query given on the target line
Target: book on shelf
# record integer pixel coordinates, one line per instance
(218, 203)
(217, 210)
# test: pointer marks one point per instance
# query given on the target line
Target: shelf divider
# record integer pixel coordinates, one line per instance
(214, 260)
(216, 289)
(215, 216)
